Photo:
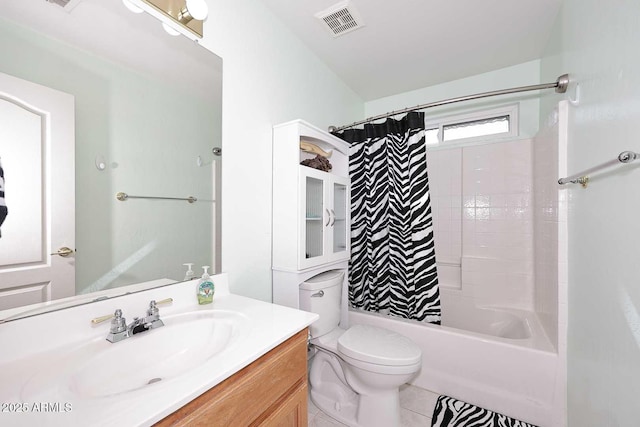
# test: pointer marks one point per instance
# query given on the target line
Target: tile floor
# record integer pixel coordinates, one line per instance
(416, 406)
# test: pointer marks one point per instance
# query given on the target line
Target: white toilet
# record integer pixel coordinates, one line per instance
(355, 373)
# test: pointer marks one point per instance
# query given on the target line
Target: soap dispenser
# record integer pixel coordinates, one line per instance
(189, 274)
(206, 289)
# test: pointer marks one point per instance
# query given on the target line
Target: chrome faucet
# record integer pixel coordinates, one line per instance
(120, 330)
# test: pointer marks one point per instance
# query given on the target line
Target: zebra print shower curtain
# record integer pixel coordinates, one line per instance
(392, 268)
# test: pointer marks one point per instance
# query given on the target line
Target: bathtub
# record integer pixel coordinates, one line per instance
(499, 359)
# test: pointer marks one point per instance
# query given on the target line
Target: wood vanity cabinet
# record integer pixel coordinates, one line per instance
(272, 391)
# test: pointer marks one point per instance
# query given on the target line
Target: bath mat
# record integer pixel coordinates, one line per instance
(450, 412)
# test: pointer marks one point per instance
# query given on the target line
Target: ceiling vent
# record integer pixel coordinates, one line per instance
(340, 19)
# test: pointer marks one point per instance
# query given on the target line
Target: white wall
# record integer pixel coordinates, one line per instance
(524, 74)
(597, 43)
(269, 77)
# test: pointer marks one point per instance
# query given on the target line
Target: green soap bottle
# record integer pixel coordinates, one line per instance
(206, 288)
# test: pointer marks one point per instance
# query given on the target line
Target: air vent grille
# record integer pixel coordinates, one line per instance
(341, 19)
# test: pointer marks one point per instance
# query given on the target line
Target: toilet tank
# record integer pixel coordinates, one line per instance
(322, 295)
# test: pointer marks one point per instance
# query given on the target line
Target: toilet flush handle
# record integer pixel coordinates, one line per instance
(318, 294)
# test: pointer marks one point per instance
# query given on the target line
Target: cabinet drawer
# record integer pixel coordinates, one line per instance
(251, 394)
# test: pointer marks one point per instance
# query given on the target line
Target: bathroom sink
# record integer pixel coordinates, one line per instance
(100, 369)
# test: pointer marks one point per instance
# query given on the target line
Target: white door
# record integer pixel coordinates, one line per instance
(37, 146)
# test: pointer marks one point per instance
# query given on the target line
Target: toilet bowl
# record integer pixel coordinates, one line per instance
(355, 373)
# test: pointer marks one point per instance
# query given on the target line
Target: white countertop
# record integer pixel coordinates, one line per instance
(39, 346)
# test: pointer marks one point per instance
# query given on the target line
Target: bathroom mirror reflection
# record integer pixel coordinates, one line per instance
(144, 109)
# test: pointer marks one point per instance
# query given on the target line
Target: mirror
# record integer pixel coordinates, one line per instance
(146, 118)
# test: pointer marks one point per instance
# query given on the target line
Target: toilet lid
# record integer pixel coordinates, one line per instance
(377, 345)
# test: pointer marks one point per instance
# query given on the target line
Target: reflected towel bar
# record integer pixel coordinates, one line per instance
(124, 196)
(583, 177)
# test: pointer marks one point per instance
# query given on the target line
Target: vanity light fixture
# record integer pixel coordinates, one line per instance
(193, 9)
(184, 17)
(170, 30)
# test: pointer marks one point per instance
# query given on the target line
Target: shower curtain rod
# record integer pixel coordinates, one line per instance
(560, 86)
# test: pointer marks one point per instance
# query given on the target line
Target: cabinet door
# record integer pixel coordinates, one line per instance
(292, 412)
(325, 230)
(315, 217)
(339, 228)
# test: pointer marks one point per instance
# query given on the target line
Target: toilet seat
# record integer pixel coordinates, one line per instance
(378, 346)
(381, 369)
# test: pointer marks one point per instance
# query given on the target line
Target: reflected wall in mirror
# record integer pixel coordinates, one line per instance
(145, 116)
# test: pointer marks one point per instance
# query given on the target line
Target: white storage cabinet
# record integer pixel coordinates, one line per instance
(310, 207)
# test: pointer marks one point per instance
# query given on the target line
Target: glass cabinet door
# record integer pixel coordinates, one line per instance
(314, 218)
(325, 230)
(339, 217)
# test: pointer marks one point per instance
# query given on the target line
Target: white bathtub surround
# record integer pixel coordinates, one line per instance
(509, 376)
(509, 306)
(550, 216)
(551, 241)
(482, 200)
(508, 325)
(499, 282)
(496, 224)
(39, 349)
(445, 186)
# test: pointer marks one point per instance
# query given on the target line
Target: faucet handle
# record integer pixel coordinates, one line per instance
(118, 324)
(101, 319)
(117, 313)
(153, 309)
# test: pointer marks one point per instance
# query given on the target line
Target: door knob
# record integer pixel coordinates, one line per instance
(64, 252)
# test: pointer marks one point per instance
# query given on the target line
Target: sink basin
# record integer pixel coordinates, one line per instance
(99, 369)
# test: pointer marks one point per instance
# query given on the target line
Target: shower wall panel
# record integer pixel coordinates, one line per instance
(445, 185)
(483, 220)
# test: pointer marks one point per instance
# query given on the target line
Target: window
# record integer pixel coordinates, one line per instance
(495, 123)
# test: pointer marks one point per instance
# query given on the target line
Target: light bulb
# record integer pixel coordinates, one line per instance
(198, 9)
(132, 7)
(170, 30)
